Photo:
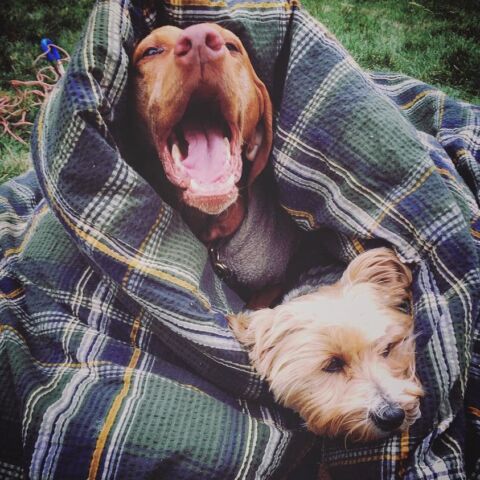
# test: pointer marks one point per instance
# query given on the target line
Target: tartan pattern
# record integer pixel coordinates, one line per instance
(115, 357)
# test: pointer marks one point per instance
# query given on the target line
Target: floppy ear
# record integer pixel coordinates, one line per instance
(256, 331)
(382, 268)
(247, 327)
(260, 146)
(239, 324)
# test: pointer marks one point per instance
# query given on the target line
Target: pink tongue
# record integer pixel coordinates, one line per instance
(206, 160)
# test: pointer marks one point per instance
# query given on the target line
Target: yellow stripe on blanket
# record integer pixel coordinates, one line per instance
(115, 408)
(134, 263)
(421, 95)
(197, 3)
(131, 262)
(262, 5)
(239, 6)
(12, 295)
(408, 192)
(301, 214)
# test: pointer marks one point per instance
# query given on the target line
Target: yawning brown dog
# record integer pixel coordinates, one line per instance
(209, 118)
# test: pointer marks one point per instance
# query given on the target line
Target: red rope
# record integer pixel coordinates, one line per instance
(26, 96)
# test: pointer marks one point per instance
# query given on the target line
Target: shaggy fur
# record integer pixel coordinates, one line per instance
(342, 356)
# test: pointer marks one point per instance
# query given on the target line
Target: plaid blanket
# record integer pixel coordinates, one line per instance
(115, 357)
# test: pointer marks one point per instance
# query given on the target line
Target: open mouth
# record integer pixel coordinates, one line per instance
(202, 156)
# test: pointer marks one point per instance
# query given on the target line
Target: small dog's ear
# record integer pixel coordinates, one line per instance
(382, 268)
(259, 151)
(239, 324)
(256, 331)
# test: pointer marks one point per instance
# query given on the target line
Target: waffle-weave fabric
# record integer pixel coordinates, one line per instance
(116, 360)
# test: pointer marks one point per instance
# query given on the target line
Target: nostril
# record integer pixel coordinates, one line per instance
(214, 41)
(199, 43)
(183, 46)
(389, 417)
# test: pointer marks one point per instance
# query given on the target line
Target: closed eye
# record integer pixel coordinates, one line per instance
(334, 365)
(149, 52)
(388, 349)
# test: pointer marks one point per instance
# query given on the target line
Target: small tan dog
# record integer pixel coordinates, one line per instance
(342, 355)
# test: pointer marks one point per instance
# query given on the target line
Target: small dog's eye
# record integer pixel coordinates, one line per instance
(149, 52)
(388, 349)
(232, 47)
(335, 364)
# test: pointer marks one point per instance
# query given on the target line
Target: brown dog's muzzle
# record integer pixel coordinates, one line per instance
(204, 109)
(201, 143)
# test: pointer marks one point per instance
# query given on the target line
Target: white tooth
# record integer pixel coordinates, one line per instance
(230, 181)
(176, 155)
(194, 185)
(227, 145)
(252, 153)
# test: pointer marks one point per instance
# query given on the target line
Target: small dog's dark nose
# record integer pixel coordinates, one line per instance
(388, 418)
(199, 43)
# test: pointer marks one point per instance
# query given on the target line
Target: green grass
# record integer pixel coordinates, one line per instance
(28, 22)
(433, 40)
(15, 160)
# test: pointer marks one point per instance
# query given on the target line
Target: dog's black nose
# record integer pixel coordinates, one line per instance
(388, 417)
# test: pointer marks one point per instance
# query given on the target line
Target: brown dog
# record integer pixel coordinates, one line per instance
(209, 118)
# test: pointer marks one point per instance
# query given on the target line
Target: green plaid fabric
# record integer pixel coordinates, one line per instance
(115, 357)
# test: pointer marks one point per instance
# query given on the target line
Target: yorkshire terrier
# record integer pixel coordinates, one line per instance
(342, 355)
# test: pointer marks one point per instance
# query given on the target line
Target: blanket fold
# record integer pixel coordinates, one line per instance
(115, 355)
